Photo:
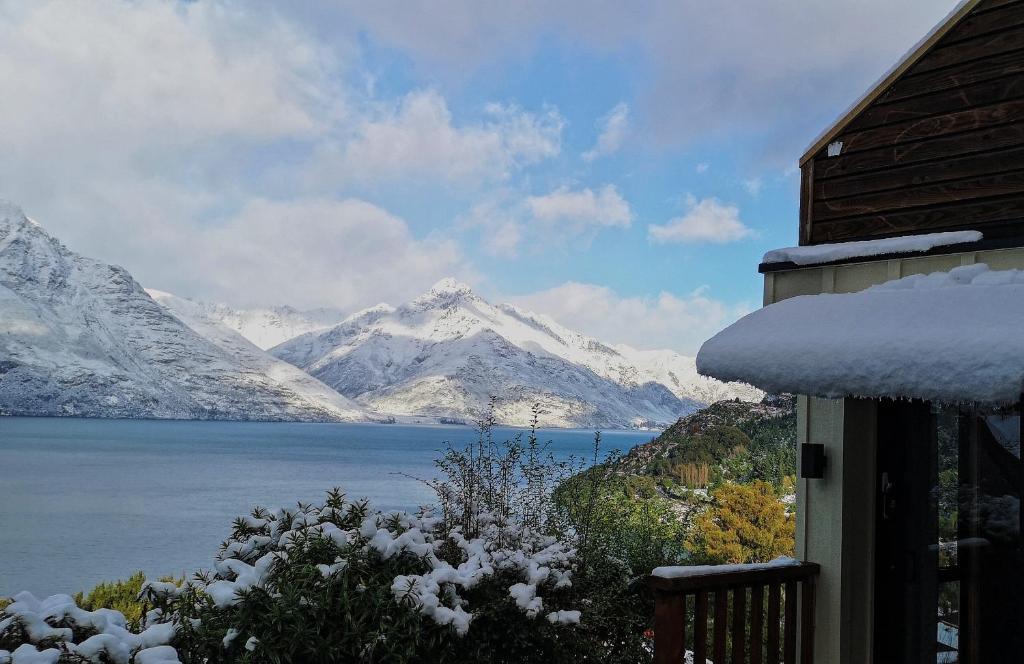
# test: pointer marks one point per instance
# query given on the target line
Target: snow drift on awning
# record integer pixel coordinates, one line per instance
(908, 244)
(948, 336)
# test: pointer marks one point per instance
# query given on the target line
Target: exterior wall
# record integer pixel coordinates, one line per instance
(835, 525)
(942, 148)
(836, 514)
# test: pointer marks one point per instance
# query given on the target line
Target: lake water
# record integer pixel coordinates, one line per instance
(83, 501)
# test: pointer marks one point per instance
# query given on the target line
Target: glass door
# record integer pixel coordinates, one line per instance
(950, 563)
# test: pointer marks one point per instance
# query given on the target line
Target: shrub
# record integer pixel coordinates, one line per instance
(122, 596)
(744, 523)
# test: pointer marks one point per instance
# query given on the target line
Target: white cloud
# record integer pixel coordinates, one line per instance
(707, 220)
(702, 168)
(308, 253)
(85, 72)
(585, 207)
(507, 220)
(186, 141)
(753, 186)
(417, 137)
(614, 129)
(665, 320)
(749, 65)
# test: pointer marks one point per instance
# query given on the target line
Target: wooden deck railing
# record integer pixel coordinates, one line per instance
(752, 612)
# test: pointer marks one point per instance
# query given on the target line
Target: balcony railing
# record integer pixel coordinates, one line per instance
(752, 611)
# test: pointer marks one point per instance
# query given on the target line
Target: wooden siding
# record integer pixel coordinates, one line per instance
(942, 148)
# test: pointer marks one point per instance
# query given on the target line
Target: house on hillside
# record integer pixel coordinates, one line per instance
(899, 320)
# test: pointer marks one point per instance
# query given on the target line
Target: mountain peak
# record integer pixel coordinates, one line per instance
(450, 286)
(11, 214)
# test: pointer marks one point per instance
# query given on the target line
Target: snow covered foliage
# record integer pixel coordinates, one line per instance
(341, 581)
(948, 336)
(55, 630)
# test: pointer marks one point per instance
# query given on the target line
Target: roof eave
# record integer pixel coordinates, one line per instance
(908, 61)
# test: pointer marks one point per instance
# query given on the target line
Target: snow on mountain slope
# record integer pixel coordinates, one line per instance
(629, 366)
(79, 337)
(246, 354)
(265, 328)
(446, 352)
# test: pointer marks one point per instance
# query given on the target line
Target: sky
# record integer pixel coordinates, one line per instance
(618, 166)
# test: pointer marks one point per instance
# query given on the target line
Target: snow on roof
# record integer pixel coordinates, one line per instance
(826, 253)
(948, 336)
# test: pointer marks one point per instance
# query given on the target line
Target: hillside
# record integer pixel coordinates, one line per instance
(732, 439)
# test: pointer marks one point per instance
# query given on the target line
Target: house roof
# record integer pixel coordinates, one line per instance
(906, 62)
(948, 337)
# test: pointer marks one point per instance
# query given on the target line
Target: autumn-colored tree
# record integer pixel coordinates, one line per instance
(744, 523)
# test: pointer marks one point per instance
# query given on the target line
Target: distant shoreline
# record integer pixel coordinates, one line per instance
(398, 423)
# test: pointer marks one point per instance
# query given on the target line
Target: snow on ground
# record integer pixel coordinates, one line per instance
(948, 336)
(826, 253)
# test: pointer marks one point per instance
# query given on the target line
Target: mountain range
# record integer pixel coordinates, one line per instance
(446, 352)
(80, 337)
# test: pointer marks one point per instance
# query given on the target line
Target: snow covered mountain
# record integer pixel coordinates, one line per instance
(253, 359)
(80, 337)
(446, 352)
(265, 328)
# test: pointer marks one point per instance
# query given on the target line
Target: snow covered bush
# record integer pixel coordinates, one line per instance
(343, 582)
(500, 573)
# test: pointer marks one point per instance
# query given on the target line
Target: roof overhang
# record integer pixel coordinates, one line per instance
(897, 70)
(953, 336)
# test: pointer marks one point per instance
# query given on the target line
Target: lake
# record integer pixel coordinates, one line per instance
(83, 501)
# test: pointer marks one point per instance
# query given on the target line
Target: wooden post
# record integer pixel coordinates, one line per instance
(669, 619)
(789, 633)
(807, 622)
(700, 627)
(739, 623)
(721, 624)
(756, 623)
(773, 624)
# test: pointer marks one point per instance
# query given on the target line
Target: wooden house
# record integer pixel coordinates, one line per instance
(899, 322)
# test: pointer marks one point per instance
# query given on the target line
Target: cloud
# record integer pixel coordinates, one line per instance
(77, 72)
(753, 186)
(127, 125)
(749, 66)
(417, 138)
(347, 253)
(665, 320)
(217, 151)
(614, 129)
(584, 207)
(507, 220)
(707, 220)
(702, 168)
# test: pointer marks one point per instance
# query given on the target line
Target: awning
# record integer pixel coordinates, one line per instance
(953, 336)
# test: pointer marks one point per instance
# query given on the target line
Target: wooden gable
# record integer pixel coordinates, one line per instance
(937, 146)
